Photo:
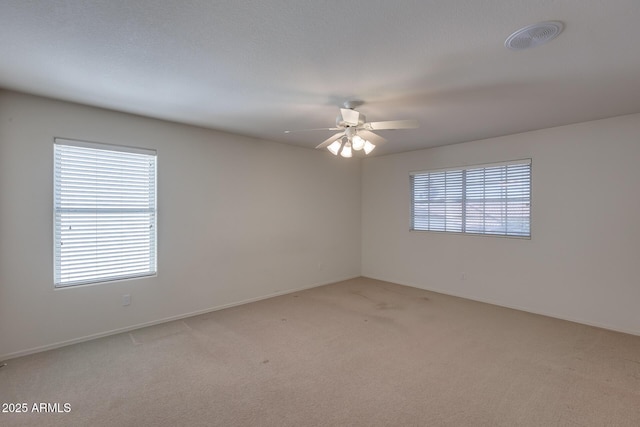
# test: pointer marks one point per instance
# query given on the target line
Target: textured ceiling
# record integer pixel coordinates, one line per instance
(259, 67)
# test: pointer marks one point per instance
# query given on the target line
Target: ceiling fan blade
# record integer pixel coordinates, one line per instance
(329, 140)
(372, 137)
(308, 130)
(349, 116)
(392, 124)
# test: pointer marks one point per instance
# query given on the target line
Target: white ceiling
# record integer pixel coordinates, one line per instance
(259, 67)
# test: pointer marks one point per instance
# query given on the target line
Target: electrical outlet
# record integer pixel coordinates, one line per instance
(463, 276)
(126, 299)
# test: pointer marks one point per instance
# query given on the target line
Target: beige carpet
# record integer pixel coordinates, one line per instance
(355, 353)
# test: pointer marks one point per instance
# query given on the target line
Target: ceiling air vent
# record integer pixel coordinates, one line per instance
(533, 35)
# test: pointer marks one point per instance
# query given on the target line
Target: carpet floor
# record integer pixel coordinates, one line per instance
(356, 353)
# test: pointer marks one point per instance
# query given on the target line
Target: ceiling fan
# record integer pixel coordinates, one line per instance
(355, 132)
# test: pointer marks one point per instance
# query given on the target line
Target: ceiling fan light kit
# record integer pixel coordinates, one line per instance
(346, 150)
(368, 147)
(335, 147)
(357, 142)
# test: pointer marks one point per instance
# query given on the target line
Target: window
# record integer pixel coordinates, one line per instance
(104, 212)
(486, 199)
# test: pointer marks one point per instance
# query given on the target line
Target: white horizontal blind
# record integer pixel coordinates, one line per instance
(489, 199)
(105, 213)
(437, 201)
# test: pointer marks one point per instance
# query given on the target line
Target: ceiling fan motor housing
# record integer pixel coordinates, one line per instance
(342, 124)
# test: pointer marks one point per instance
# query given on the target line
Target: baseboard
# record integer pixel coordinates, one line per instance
(511, 306)
(59, 344)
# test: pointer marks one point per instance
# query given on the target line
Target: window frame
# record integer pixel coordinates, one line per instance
(464, 199)
(150, 201)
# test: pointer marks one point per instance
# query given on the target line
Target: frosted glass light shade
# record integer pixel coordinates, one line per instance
(368, 147)
(334, 147)
(346, 151)
(357, 142)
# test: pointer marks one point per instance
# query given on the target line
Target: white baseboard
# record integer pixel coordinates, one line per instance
(59, 344)
(514, 307)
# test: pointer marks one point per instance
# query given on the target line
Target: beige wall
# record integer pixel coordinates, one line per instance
(581, 262)
(238, 219)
